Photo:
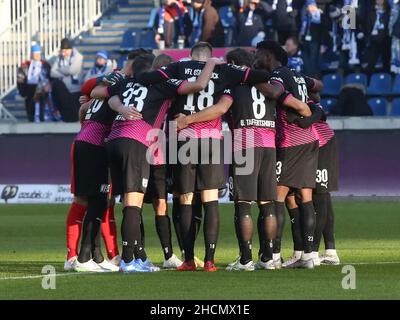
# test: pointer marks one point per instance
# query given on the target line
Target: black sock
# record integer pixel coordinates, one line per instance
(321, 208)
(296, 229)
(211, 229)
(307, 225)
(163, 226)
(197, 212)
(270, 228)
(131, 235)
(97, 206)
(187, 231)
(142, 228)
(176, 207)
(96, 252)
(245, 231)
(280, 218)
(261, 235)
(329, 234)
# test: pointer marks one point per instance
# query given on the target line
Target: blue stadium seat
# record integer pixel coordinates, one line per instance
(147, 40)
(131, 40)
(396, 86)
(121, 61)
(380, 84)
(228, 21)
(378, 106)
(395, 107)
(328, 103)
(332, 84)
(360, 78)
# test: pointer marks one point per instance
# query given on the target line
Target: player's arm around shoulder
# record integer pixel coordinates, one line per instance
(202, 81)
(208, 114)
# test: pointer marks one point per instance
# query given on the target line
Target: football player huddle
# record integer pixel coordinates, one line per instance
(155, 127)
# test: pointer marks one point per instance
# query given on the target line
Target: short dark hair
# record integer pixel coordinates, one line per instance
(240, 57)
(142, 63)
(201, 46)
(66, 44)
(274, 47)
(137, 52)
(162, 60)
(294, 39)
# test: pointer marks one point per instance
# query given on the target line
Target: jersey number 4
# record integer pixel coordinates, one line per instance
(205, 98)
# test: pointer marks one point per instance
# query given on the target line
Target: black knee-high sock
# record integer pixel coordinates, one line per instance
(270, 229)
(97, 206)
(261, 235)
(163, 226)
(188, 231)
(307, 225)
(244, 223)
(211, 229)
(176, 207)
(142, 228)
(96, 252)
(197, 212)
(131, 235)
(329, 230)
(280, 218)
(296, 229)
(321, 208)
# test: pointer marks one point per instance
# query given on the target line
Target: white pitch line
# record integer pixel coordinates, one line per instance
(92, 273)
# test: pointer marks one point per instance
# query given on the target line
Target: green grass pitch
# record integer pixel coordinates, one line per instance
(367, 232)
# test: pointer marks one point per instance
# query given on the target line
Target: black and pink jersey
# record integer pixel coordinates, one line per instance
(224, 76)
(291, 135)
(97, 124)
(152, 101)
(253, 118)
(323, 132)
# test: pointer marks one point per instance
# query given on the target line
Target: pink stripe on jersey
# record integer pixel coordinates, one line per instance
(163, 73)
(246, 138)
(131, 129)
(324, 133)
(93, 132)
(291, 135)
(139, 129)
(203, 130)
(247, 75)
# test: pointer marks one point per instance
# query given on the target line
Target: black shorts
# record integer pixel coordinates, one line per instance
(260, 184)
(327, 171)
(199, 176)
(296, 166)
(129, 167)
(89, 170)
(157, 188)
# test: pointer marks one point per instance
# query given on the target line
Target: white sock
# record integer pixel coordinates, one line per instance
(306, 256)
(297, 254)
(276, 256)
(331, 252)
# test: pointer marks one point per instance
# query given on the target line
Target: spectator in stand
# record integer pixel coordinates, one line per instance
(284, 20)
(377, 33)
(313, 35)
(172, 24)
(66, 72)
(33, 82)
(352, 102)
(251, 22)
(294, 54)
(394, 32)
(102, 65)
(206, 24)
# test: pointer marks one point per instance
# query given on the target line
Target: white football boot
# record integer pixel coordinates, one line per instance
(269, 265)
(108, 266)
(172, 263)
(293, 259)
(69, 264)
(237, 266)
(89, 266)
(330, 257)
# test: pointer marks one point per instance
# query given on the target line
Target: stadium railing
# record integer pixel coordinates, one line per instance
(45, 22)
